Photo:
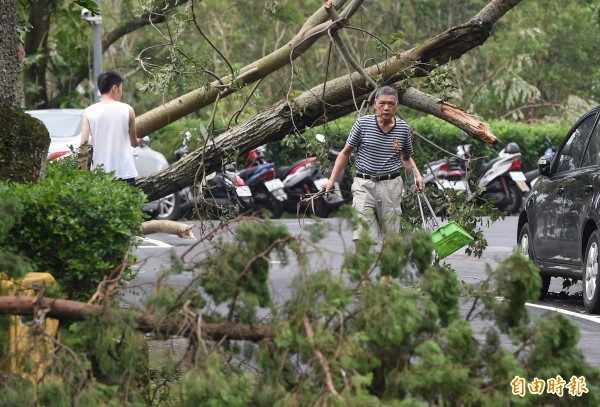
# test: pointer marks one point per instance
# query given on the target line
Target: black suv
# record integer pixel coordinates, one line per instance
(558, 227)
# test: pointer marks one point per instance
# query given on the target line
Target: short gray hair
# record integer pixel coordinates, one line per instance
(386, 90)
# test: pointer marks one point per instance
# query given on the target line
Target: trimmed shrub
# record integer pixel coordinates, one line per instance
(77, 225)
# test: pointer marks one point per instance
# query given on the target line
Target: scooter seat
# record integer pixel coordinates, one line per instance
(283, 172)
(482, 169)
(247, 173)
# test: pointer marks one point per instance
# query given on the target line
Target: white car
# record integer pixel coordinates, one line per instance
(64, 126)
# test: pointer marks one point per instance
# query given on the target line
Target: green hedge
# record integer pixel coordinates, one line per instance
(531, 139)
(76, 225)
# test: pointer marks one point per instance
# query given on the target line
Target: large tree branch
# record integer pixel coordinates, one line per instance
(280, 120)
(314, 28)
(67, 309)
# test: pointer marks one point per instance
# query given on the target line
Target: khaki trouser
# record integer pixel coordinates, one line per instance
(378, 202)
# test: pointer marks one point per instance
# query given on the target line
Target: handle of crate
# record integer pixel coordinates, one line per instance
(421, 210)
(419, 191)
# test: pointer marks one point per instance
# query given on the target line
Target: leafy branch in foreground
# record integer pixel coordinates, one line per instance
(392, 344)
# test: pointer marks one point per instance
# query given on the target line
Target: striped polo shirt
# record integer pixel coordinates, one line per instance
(378, 152)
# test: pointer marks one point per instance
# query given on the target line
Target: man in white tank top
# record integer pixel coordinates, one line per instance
(109, 127)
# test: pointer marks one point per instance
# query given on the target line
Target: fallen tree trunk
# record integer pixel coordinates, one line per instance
(277, 122)
(182, 230)
(339, 97)
(67, 309)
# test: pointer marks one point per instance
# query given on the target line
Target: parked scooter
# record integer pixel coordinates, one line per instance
(267, 190)
(221, 190)
(500, 179)
(305, 177)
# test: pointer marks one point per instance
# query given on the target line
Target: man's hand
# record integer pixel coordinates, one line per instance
(328, 185)
(419, 184)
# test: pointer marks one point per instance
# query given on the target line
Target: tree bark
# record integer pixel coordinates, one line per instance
(24, 140)
(10, 93)
(168, 226)
(74, 310)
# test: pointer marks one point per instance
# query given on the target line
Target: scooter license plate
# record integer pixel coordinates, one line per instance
(274, 184)
(243, 191)
(517, 176)
(520, 180)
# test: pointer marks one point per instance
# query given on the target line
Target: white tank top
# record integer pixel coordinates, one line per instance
(109, 130)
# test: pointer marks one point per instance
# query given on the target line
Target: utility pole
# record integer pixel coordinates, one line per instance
(96, 21)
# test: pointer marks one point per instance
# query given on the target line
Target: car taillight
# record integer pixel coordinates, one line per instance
(57, 154)
(515, 165)
(444, 167)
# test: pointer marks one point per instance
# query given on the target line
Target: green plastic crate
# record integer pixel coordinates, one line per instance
(449, 238)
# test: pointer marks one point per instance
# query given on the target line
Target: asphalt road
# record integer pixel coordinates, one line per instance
(155, 252)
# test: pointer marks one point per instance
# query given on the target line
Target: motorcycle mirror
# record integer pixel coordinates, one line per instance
(320, 138)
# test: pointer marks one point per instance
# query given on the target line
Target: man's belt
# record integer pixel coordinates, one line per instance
(378, 177)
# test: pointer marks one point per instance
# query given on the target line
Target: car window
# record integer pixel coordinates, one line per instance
(592, 153)
(61, 125)
(572, 152)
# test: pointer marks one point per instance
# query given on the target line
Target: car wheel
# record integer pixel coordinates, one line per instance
(169, 208)
(591, 284)
(526, 246)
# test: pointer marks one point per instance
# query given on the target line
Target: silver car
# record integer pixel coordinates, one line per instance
(64, 126)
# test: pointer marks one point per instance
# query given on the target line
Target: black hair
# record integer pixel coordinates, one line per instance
(386, 90)
(107, 79)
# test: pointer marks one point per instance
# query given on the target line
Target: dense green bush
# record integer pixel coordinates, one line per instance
(77, 225)
(531, 139)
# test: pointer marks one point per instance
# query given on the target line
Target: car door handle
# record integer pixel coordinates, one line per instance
(588, 188)
(560, 190)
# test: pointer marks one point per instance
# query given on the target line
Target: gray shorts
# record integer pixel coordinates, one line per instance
(378, 202)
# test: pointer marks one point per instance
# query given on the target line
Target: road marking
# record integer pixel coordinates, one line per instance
(154, 243)
(591, 318)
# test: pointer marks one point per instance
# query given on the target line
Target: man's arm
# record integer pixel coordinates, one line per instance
(85, 142)
(409, 165)
(133, 139)
(338, 167)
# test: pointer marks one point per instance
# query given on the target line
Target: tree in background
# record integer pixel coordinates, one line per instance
(536, 66)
